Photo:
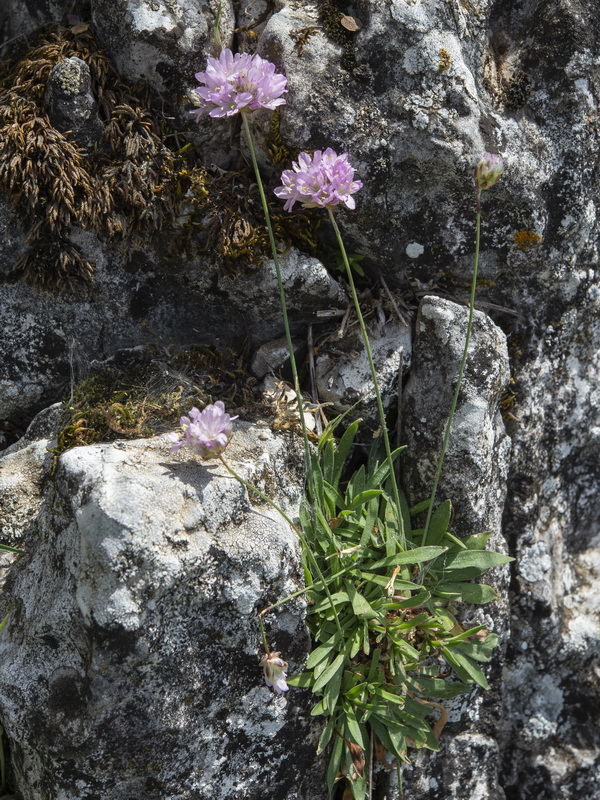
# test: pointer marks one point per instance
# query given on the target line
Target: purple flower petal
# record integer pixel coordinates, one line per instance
(240, 82)
(206, 432)
(321, 180)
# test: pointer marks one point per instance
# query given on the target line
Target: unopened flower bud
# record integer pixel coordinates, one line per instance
(275, 672)
(488, 171)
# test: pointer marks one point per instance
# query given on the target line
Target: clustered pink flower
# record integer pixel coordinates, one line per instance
(207, 432)
(275, 672)
(323, 179)
(240, 82)
(488, 171)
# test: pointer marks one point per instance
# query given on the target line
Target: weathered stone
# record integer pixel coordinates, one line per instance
(414, 97)
(308, 288)
(71, 105)
(132, 651)
(476, 465)
(49, 340)
(344, 373)
(166, 43)
(270, 357)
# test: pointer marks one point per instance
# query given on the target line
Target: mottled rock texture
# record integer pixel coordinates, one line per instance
(71, 105)
(133, 643)
(414, 97)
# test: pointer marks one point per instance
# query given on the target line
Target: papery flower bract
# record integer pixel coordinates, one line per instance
(207, 432)
(240, 82)
(323, 179)
(488, 171)
(275, 672)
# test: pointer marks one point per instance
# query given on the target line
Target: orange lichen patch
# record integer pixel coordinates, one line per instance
(444, 62)
(527, 240)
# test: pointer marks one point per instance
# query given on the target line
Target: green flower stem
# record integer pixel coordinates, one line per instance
(263, 635)
(286, 324)
(316, 585)
(301, 536)
(365, 336)
(461, 370)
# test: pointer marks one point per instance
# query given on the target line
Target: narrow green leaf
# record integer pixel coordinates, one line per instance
(303, 680)
(363, 497)
(305, 518)
(328, 460)
(11, 549)
(405, 515)
(335, 761)
(322, 652)
(416, 556)
(373, 669)
(369, 523)
(439, 522)
(366, 644)
(332, 691)
(323, 605)
(478, 541)
(479, 651)
(333, 669)
(325, 737)
(4, 621)
(355, 732)
(356, 642)
(383, 580)
(356, 484)
(360, 605)
(379, 476)
(410, 602)
(480, 559)
(317, 709)
(467, 670)
(437, 687)
(343, 448)
(390, 734)
(478, 593)
(335, 498)
(420, 507)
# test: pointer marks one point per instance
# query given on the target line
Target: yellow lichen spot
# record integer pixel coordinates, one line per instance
(444, 62)
(527, 240)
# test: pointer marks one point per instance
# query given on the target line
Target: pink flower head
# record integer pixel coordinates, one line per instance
(207, 432)
(488, 171)
(323, 179)
(240, 82)
(275, 674)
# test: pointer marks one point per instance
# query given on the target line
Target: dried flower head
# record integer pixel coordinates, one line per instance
(207, 432)
(323, 179)
(488, 171)
(240, 82)
(275, 672)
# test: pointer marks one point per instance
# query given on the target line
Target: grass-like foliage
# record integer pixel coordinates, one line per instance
(388, 644)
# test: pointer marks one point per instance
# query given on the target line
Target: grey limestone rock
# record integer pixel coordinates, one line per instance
(270, 357)
(344, 373)
(50, 340)
(132, 650)
(307, 284)
(474, 478)
(71, 105)
(476, 465)
(415, 96)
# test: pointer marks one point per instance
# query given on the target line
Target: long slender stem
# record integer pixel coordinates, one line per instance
(440, 464)
(365, 336)
(301, 536)
(286, 324)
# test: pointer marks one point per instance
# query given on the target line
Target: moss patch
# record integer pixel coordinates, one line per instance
(149, 391)
(138, 180)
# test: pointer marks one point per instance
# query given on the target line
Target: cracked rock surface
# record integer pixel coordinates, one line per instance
(133, 639)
